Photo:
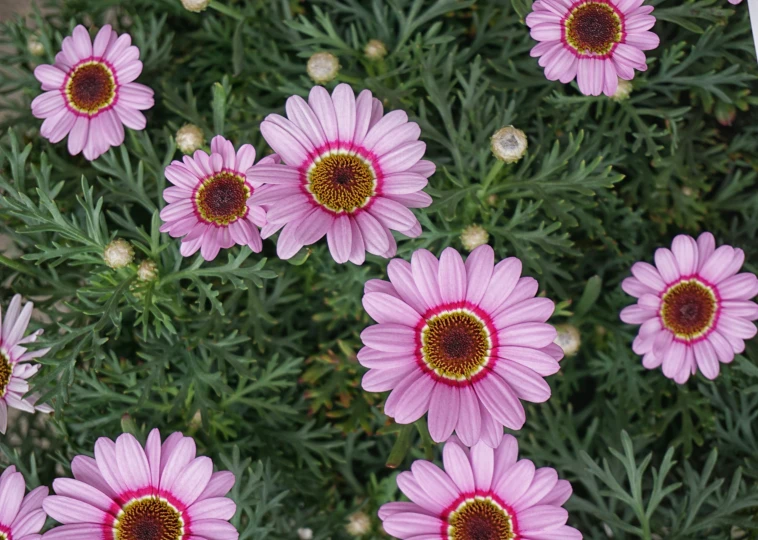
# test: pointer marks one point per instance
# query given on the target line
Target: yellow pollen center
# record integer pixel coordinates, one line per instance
(455, 345)
(342, 182)
(149, 518)
(91, 87)
(480, 518)
(593, 28)
(222, 199)
(6, 370)
(688, 309)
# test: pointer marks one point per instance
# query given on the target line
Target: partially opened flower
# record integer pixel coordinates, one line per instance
(480, 494)
(349, 172)
(694, 308)
(127, 492)
(207, 204)
(15, 361)
(21, 518)
(90, 93)
(594, 41)
(465, 342)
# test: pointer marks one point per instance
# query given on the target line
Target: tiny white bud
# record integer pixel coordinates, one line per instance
(568, 338)
(323, 67)
(189, 138)
(304, 533)
(474, 236)
(358, 524)
(35, 46)
(118, 253)
(375, 50)
(147, 270)
(623, 90)
(509, 144)
(195, 6)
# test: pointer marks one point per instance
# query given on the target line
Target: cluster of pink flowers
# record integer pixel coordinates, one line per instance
(463, 342)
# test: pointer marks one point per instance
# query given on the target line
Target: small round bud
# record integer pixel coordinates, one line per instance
(35, 46)
(358, 524)
(323, 67)
(304, 533)
(687, 191)
(568, 338)
(118, 253)
(147, 270)
(623, 90)
(196, 421)
(195, 6)
(474, 236)
(375, 50)
(189, 138)
(509, 144)
(725, 113)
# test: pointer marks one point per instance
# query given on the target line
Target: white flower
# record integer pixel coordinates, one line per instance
(509, 144)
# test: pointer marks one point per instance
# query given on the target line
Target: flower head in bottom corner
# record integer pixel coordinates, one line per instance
(127, 492)
(481, 493)
(207, 205)
(16, 367)
(694, 309)
(21, 517)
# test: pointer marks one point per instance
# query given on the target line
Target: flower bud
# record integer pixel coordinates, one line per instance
(568, 338)
(509, 144)
(189, 138)
(305, 533)
(195, 6)
(375, 50)
(147, 270)
(358, 524)
(474, 236)
(118, 253)
(623, 90)
(323, 67)
(35, 46)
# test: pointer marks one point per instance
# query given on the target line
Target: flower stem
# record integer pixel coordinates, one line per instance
(227, 10)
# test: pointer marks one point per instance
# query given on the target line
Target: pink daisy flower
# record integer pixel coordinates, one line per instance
(349, 172)
(481, 493)
(15, 365)
(207, 204)
(596, 41)
(21, 518)
(694, 307)
(90, 94)
(161, 492)
(464, 342)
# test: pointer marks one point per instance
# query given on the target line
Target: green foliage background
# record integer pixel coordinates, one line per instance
(255, 357)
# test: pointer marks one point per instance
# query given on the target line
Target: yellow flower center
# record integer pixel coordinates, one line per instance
(688, 309)
(480, 518)
(455, 344)
(149, 518)
(593, 28)
(222, 198)
(6, 370)
(341, 182)
(91, 87)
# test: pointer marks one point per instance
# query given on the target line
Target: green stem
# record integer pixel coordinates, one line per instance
(18, 266)
(494, 171)
(226, 10)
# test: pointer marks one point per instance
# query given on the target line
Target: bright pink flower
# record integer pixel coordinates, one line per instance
(21, 518)
(15, 365)
(465, 342)
(90, 94)
(694, 308)
(161, 492)
(349, 172)
(596, 41)
(208, 201)
(482, 493)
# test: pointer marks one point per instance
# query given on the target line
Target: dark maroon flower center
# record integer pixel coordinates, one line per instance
(455, 345)
(480, 519)
(222, 199)
(150, 518)
(593, 28)
(688, 309)
(341, 182)
(5, 377)
(91, 87)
